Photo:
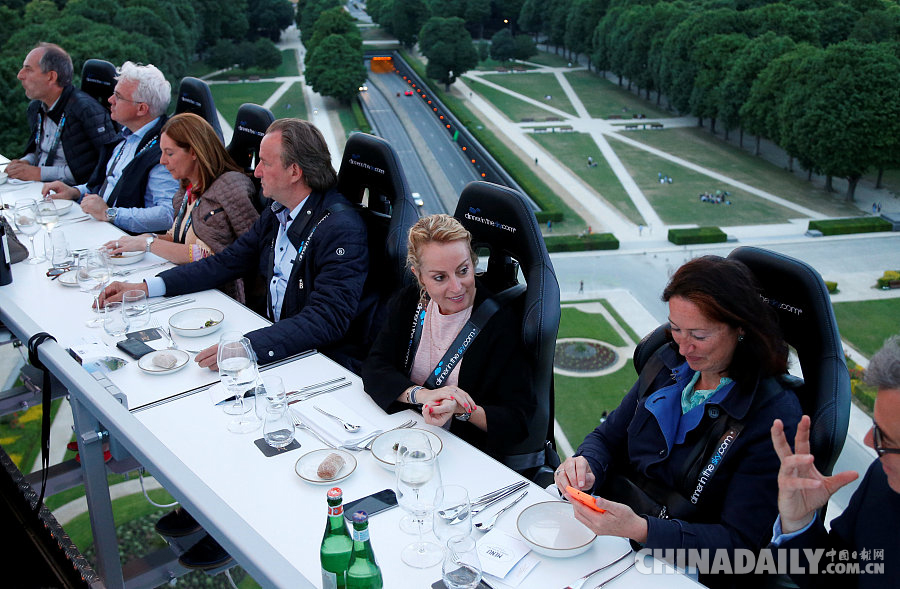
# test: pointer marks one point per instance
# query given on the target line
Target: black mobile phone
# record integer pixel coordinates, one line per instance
(374, 503)
(134, 348)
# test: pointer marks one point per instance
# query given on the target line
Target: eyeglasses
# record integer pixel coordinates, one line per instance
(878, 442)
(120, 97)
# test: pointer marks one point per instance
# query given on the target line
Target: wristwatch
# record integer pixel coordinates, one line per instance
(150, 239)
(463, 416)
(111, 213)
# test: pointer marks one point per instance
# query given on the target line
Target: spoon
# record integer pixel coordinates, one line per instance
(488, 524)
(347, 426)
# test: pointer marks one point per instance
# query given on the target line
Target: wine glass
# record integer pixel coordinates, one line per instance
(418, 478)
(47, 215)
(452, 513)
(93, 275)
(462, 568)
(25, 215)
(237, 369)
(404, 441)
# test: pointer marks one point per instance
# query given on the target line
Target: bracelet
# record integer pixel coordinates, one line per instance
(411, 396)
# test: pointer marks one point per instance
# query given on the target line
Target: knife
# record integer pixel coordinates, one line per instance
(233, 398)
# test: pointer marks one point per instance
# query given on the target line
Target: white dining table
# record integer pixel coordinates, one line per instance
(257, 507)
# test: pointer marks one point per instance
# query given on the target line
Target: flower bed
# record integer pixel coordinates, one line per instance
(582, 356)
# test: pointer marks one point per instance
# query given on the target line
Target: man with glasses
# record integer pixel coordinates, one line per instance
(868, 532)
(68, 127)
(130, 188)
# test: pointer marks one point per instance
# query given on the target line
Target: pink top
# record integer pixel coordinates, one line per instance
(438, 333)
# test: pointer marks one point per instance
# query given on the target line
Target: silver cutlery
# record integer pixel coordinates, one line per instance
(459, 514)
(166, 332)
(311, 394)
(345, 424)
(366, 442)
(317, 385)
(299, 423)
(141, 269)
(614, 577)
(73, 221)
(161, 305)
(452, 512)
(579, 583)
(488, 524)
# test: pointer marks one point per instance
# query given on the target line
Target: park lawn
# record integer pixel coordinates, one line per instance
(572, 149)
(491, 65)
(535, 86)
(291, 103)
(513, 108)
(288, 67)
(125, 509)
(866, 324)
(581, 401)
(603, 98)
(576, 323)
(612, 311)
(548, 59)
(679, 203)
(701, 148)
(20, 434)
(230, 97)
(890, 181)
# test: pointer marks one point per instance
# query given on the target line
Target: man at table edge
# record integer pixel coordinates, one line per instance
(129, 187)
(311, 246)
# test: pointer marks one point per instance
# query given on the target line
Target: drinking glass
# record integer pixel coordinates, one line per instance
(114, 322)
(268, 390)
(56, 249)
(452, 513)
(418, 479)
(47, 215)
(25, 216)
(462, 568)
(93, 275)
(406, 440)
(237, 369)
(278, 429)
(136, 309)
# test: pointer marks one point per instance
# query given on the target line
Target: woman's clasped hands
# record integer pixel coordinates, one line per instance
(439, 405)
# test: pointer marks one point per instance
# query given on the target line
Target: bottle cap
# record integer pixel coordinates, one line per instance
(360, 517)
(335, 493)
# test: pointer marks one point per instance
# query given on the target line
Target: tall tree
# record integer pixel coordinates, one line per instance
(407, 18)
(449, 49)
(475, 13)
(580, 24)
(714, 57)
(336, 69)
(335, 21)
(503, 45)
(267, 18)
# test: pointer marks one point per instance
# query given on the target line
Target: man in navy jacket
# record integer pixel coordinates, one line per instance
(310, 245)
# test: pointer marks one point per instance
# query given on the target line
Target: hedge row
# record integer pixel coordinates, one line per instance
(697, 235)
(887, 278)
(359, 116)
(851, 225)
(576, 243)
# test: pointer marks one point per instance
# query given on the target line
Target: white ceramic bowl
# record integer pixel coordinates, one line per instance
(383, 445)
(550, 528)
(63, 205)
(126, 258)
(193, 322)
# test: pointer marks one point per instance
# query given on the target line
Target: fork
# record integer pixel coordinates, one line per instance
(579, 583)
(165, 331)
(299, 423)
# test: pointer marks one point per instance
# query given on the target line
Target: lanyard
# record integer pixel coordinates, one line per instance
(110, 170)
(295, 263)
(180, 238)
(51, 153)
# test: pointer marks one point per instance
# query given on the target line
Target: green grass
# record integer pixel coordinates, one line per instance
(348, 121)
(575, 323)
(491, 65)
(125, 509)
(612, 311)
(294, 98)
(572, 149)
(198, 69)
(20, 434)
(230, 97)
(514, 109)
(866, 324)
(699, 147)
(288, 67)
(548, 59)
(536, 86)
(603, 98)
(581, 401)
(890, 180)
(678, 203)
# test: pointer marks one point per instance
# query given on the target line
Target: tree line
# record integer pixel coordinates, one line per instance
(334, 56)
(816, 77)
(170, 34)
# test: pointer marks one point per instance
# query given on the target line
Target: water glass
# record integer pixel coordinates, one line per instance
(278, 429)
(47, 214)
(452, 513)
(418, 479)
(25, 216)
(93, 275)
(114, 322)
(462, 567)
(56, 248)
(269, 389)
(136, 309)
(237, 370)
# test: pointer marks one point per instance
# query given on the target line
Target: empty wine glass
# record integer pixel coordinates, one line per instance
(462, 567)
(404, 441)
(47, 215)
(418, 479)
(452, 513)
(136, 309)
(237, 369)
(278, 429)
(93, 275)
(114, 322)
(25, 216)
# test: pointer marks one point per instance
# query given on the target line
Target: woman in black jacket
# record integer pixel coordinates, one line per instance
(484, 394)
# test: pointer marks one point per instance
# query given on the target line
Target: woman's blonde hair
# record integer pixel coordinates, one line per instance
(436, 228)
(192, 132)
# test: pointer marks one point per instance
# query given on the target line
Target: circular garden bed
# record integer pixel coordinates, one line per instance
(584, 356)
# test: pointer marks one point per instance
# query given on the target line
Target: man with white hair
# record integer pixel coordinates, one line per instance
(130, 188)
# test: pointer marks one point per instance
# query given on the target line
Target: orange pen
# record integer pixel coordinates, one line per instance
(583, 498)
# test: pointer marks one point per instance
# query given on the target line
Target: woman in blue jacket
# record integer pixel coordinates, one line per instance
(686, 460)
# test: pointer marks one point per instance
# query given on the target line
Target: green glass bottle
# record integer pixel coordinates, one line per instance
(336, 544)
(363, 572)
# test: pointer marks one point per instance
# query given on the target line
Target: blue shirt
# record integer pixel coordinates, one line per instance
(157, 213)
(285, 253)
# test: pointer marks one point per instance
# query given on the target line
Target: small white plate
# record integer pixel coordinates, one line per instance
(308, 465)
(383, 445)
(146, 362)
(63, 205)
(69, 278)
(550, 528)
(126, 258)
(193, 322)
(16, 181)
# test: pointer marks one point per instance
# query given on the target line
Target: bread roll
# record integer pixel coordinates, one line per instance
(332, 465)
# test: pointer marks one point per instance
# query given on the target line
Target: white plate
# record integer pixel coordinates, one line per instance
(192, 322)
(69, 278)
(551, 529)
(383, 445)
(308, 465)
(146, 362)
(126, 258)
(63, 205)
(16, 181)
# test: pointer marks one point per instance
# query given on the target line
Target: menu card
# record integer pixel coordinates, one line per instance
(499, 552)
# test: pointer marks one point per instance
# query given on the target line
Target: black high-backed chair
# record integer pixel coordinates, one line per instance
(371, 177)
(249, 128)
(800, 299)
(195, 96)
(501, 220)
(98, 79)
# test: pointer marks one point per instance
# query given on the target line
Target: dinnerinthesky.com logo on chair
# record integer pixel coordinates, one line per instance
(474, 215)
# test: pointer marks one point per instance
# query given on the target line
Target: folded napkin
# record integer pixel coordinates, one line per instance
(329, 428)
